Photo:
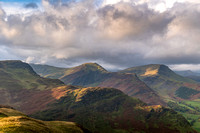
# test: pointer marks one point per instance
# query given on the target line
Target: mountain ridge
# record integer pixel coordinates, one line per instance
(95, 108)
(92, 74)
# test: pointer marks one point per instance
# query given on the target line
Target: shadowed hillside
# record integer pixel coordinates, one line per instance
(163, 80)
(181, 93)
(109, 110)
(95, 109)
(20, 85)
(92, 74)
(48, 71)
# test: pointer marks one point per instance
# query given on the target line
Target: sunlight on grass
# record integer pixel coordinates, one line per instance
(150, 72)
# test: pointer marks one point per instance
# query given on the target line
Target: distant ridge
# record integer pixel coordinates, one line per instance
(92, 74)
(163, 80)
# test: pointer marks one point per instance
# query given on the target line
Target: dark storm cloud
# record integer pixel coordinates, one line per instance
(117, 36)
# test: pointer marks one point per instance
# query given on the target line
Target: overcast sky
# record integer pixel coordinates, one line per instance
(114, 33)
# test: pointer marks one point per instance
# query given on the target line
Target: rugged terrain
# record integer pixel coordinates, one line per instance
(95, 109)
(167, 83)
(92, 74)
(109, 110)
(181, 93)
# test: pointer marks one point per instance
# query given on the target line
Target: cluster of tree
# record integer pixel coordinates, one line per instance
(175, 106)
(185, 93)
(196, 108)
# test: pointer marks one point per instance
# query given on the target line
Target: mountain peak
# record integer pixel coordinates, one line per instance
(16, 64)
(149, 70)
(159, 69)
(92, 66)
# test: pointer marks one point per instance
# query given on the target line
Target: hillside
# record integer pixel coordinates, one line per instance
(109, 110)
(18, 75)
(13, 121)
(163, 80)
(190, 74)
(48, 71)
(187, 73)
(181, 93)
(94, 108)
(92, 74)
(19, 83)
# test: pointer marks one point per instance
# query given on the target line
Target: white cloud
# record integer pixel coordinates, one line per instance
(182, 67)
(118, 34)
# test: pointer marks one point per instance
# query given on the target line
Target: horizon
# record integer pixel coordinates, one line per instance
(110, 70)
(117, 34)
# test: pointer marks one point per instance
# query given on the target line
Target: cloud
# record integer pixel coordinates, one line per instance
(182, 67)
(116, 35)
(31, 5)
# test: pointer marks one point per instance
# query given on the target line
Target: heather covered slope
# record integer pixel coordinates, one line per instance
(109, 110)
(92, 74)
(13, 121)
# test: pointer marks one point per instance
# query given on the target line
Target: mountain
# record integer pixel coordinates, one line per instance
(187, 73)
(94, 108)
(190, 74)
(164, 81)
(16, 74)
(48, 71)
(13, 121)
(181, 93)
(109, 110)
(20, 85)
(92, 74)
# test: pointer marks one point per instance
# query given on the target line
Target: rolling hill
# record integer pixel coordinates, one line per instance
(181, 93)
(92, 75)
(109, 110)
(166, 82)
(19, 83)
(94, 108)
(13, 121)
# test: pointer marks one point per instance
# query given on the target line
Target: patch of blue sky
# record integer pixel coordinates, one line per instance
(21, 1)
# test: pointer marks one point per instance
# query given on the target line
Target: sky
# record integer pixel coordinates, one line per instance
(117, 34)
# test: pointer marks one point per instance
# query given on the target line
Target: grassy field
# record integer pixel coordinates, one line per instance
(190, 110)
(12, 121)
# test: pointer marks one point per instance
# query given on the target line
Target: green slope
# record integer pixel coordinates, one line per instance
(162, 79)
(109, 110)
(18, 75)
(48, 71)
(19, 84)
(96, 109)
(92, 74)
(175, 89)
(12, 121)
